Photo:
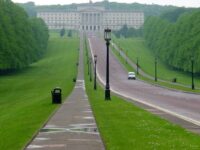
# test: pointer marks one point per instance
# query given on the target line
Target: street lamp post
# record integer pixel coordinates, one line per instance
(107, 37)
(126, 55)
(192, 61)
(95, 72)
(90, 69)
(156, 69)
(86, 48)
(88, 66)
(137, 66)
(119, 49)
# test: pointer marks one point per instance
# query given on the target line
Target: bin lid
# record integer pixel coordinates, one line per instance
(57, 90)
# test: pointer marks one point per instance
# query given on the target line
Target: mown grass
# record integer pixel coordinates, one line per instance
(124, 126)
(137, 48)
(25, 98)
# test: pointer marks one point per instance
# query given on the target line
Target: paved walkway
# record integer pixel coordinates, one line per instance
(73, 126)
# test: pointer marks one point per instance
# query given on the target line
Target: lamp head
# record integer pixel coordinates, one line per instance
(95, 57)
(107, 34)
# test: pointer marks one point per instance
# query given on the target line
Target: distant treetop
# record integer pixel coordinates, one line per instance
(149, 10)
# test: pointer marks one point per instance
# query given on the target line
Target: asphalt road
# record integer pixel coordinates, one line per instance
(182, 105)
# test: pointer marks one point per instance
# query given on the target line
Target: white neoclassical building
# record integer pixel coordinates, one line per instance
(92, 18)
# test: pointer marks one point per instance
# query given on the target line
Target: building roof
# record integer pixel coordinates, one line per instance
(90, 8)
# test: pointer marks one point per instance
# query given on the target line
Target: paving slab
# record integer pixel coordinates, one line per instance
(73, 126)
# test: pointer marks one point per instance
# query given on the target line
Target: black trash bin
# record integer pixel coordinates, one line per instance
(56, 95)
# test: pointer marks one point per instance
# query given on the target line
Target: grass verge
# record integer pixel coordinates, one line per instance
(25, 98)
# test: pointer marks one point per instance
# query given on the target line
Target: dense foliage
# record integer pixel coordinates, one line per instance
(22, 40)
(175, 43)
(29, 7)
(148, 10)
(62, 32)
(128, 32)
(172, 16)
(69, 34)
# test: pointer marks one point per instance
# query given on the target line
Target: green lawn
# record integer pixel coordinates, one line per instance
(124, 126)
(25, 98)
(136, 48)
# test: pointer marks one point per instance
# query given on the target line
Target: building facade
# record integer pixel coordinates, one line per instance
(92, 18)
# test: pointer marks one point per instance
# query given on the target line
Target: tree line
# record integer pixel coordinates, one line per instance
(23, 40)
(149, 10)
(128, 32)
(30, 8)
(175, 43)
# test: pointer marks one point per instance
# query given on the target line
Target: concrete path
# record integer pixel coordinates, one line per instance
(73, 126)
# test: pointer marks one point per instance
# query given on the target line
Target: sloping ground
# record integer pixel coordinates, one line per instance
(25, 98)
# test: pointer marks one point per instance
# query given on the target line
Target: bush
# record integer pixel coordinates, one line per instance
(22, 40)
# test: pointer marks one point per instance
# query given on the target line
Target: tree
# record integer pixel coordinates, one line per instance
(175, 42)
(22, 40)
(128, 32)
(62, 32)
(30, 8)
(69, 33)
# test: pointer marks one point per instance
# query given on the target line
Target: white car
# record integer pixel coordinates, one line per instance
(131, 75)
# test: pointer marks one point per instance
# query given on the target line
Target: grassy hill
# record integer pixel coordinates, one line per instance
(25, 97)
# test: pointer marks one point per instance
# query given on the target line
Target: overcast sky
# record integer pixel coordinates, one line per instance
(186, 3)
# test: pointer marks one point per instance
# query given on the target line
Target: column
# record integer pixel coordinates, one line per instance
(93, 21)
(90, 23)
(87, 18)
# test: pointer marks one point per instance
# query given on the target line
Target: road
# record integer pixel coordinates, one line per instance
(181, 105)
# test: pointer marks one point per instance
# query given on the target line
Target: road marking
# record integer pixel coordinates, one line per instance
(85, 140)
(88, 117)
(87, 111)
(46, 146)
(83, 124)
(146, 103)
(41, 139)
